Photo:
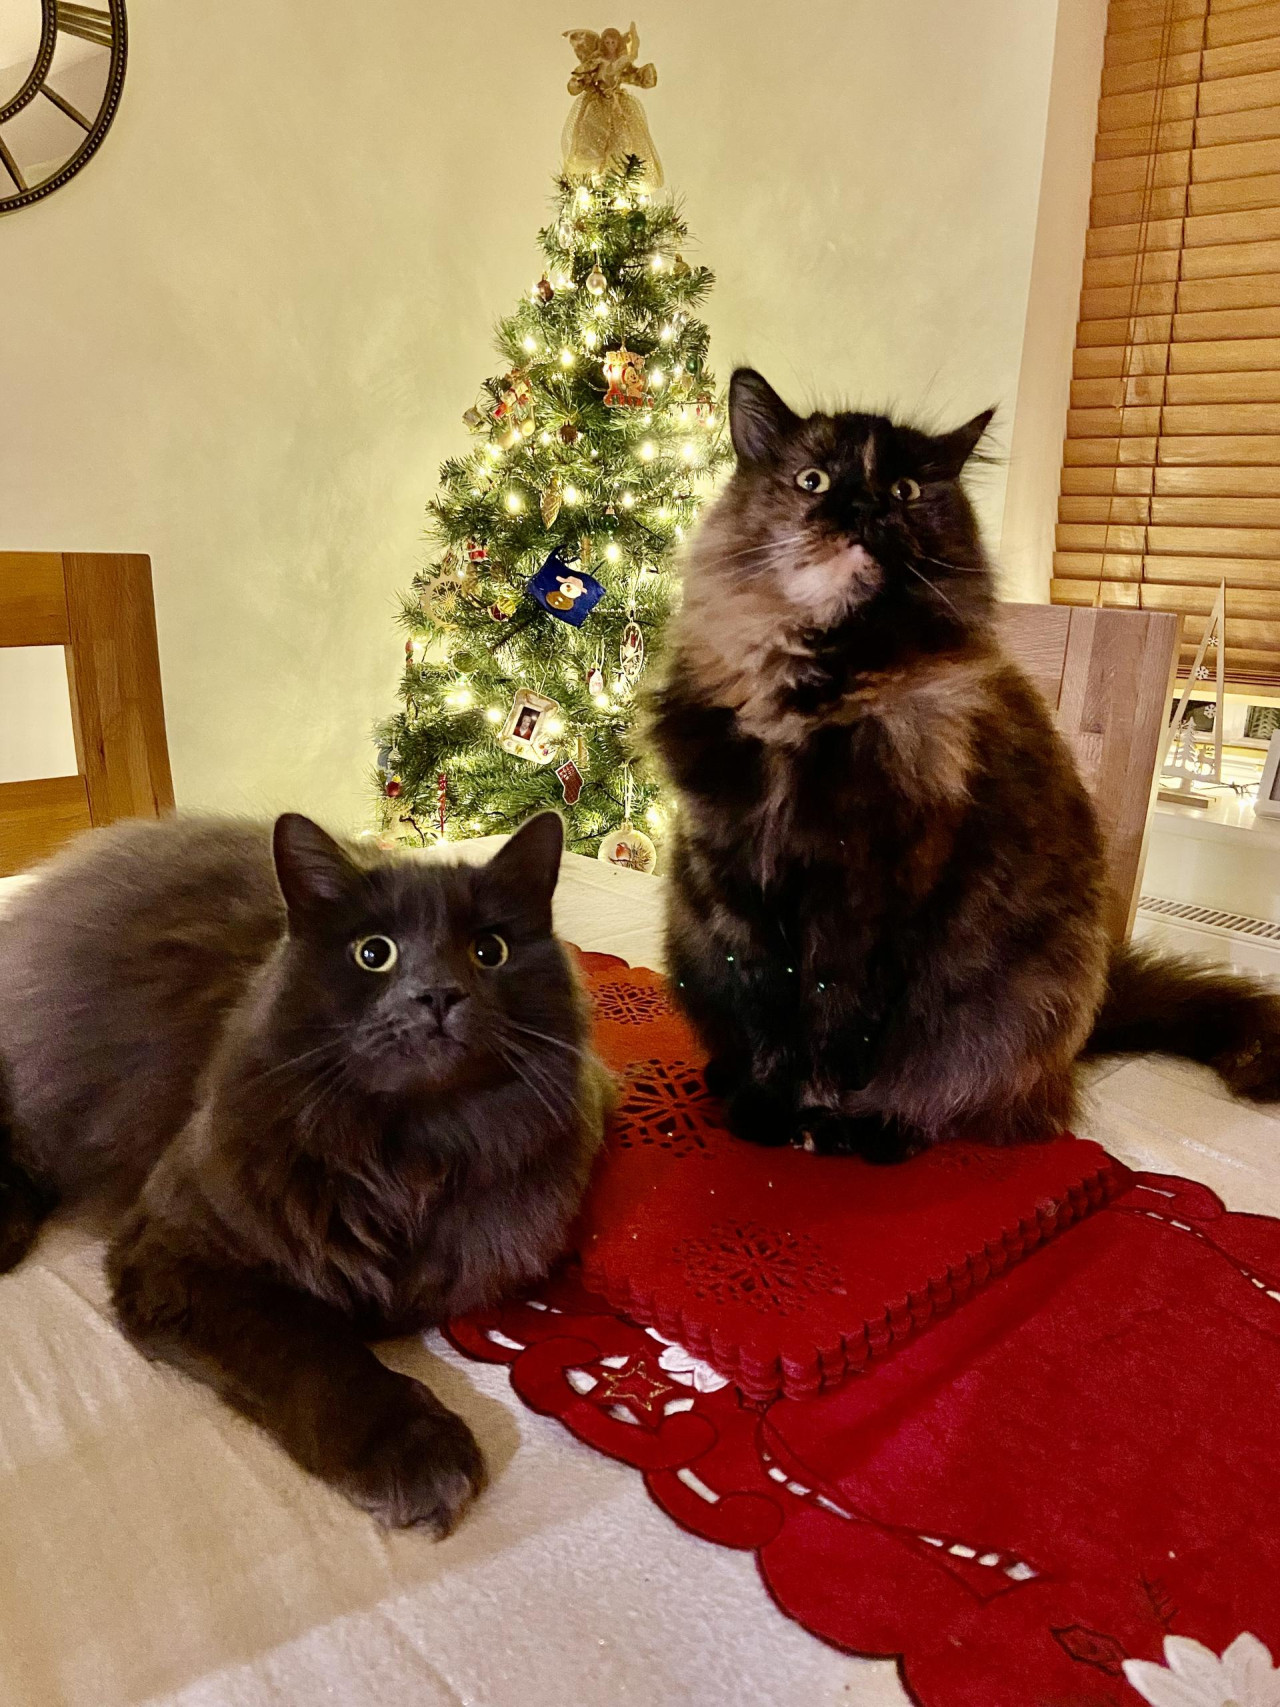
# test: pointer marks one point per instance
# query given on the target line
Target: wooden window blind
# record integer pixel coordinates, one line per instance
(1171, 465)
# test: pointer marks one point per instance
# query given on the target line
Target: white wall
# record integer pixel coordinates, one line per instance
(242, 338)
(1044, 387)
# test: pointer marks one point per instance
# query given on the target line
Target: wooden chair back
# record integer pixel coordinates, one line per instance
(98, 607)
(1108, 678)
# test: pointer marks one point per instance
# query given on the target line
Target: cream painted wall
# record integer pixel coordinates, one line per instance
(1044, 386)
(241, 340)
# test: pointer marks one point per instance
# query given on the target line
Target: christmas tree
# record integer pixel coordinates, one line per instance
(550, 578)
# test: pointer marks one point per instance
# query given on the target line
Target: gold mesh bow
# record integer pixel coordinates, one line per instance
(605, 123)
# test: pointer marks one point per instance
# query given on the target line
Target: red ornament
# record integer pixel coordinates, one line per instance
(516, 398)
(624, 370)
(498, 614)
(442, 799)
(393, 788)
(570, 781)
(545, 289)
(477, 552)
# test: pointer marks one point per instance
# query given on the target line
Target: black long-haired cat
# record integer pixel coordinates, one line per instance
(886, 887)
(326, 1095)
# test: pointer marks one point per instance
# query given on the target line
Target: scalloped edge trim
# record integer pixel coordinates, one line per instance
(830, 1364)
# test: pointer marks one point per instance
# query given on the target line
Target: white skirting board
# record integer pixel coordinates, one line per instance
(1208, 933)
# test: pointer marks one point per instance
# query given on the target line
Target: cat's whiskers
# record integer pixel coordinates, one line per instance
(317, 1090)
(518, 1063)
(933, 588)
(768, 547)
(293, 1061)
(546, 1037)
(945, 563)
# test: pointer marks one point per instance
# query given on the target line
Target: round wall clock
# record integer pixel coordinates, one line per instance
(61, 72)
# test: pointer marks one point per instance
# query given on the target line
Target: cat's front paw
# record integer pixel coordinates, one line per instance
(760, 1116)
(724, 1074)
(421, 1469)
(827, 1132)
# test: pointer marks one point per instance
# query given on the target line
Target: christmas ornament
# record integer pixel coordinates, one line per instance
(511, 438)
(571, 595)
(605, 123)
(569, 434)
(524, 732)
(473, 418)
(624, 370)
(498, 614)
(570, 782)
(595, 679)
(393, 788)
(596, 281)
(545, 289)
(680, 267)
(516, 398)
(631, 651)
(629, 847)
(583, 755)
(703, 406)
(550, 502)
(437, 588)
(477, 552)
(585, 548)
(442, 799)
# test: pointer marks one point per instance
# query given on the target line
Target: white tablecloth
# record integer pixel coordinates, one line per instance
(155, 1549)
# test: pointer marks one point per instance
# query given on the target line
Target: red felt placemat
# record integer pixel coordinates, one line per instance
(1070, 1476)
(1044, 1488)
(788, 1271)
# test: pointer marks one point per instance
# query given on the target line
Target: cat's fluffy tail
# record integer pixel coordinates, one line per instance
(1159, 1003)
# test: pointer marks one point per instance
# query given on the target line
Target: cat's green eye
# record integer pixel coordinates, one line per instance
(813, 480)
(488, 950)
(906, 490)
(374, 953)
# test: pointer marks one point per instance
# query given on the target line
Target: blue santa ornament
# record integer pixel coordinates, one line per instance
(565, 592)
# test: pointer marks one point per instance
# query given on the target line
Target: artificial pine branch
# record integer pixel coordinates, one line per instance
(629, 483)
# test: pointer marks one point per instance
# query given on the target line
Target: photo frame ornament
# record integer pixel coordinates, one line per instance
(524, 733)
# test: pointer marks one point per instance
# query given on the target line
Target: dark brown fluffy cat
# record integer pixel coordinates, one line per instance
(886, 888)
(324, 1095)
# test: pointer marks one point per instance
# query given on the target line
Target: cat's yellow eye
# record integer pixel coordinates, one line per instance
(906, 491)
(813, 480)
(374, 953)
(488, 950)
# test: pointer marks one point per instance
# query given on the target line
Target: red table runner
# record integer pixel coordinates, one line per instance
(1073, 1462)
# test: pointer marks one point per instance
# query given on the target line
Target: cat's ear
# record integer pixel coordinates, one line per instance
(528, 866)
(758, 418)
(950, 451)
(312, 869)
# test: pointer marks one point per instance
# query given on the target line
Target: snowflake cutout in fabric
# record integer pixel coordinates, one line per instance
(631, 1004)
(1193, 1676)
(742, 1262)
(666, 1107)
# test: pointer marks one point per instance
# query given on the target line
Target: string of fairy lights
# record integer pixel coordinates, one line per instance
(553, 536)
